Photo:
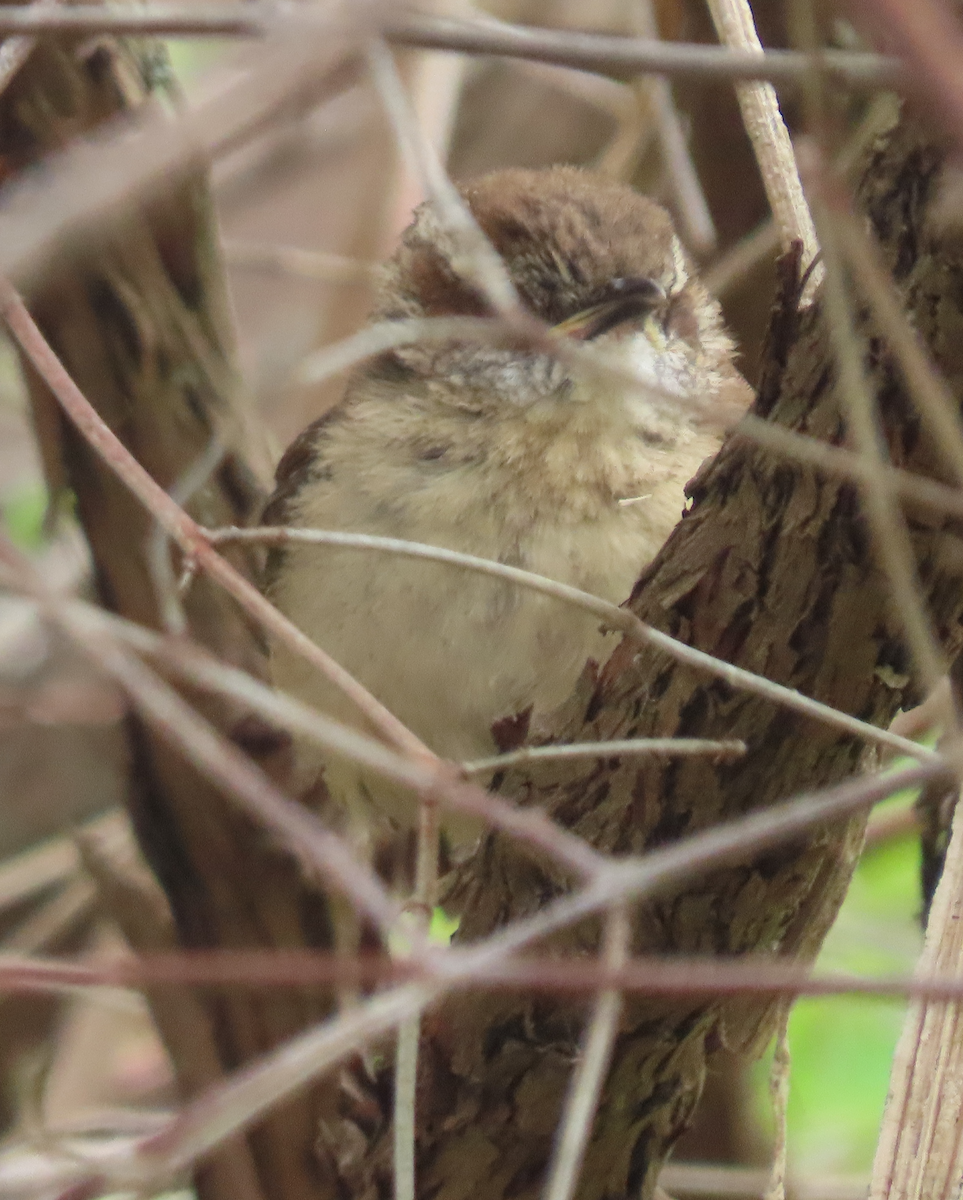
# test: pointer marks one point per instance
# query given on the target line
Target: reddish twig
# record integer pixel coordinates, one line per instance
(215, 756)
(576, 976)
(186, 532)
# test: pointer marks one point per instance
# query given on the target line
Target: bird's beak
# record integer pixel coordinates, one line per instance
(600, 318)
(581, 325)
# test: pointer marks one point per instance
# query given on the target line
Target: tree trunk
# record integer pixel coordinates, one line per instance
(142, 324)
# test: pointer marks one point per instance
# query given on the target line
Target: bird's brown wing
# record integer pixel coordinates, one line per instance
(302, 462)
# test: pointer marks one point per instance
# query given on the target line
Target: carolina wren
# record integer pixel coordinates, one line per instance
(509, 454)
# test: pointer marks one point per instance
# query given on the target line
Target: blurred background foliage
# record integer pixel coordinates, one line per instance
(842, 1046)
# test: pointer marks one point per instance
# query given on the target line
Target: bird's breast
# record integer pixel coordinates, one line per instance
(451, 651)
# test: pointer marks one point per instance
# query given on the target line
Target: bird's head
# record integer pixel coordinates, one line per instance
(595, 261)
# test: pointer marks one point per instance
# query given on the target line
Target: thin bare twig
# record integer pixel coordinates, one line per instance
(249, 1093)
(54, 861)
(434, 84)
(516, 329)
(389, 335)
(618, 618)
(920, 1150)
(419, 914)
(758, 245)
(626, 880)
(670, 747)
(614, 100)
(287, 75)
(589, 1075)
(73, 906)
(887, 826)
(316, 265)
(405, 1106)
(926, 386)
(307, 839)
(846, 464)
(618, 57)
(242, 1099)
(624, 58)
(768, 134)
(740, 259)
(562, 975)
(184, 530)
(167, 590)
(635, 131)
(779, 1076)
(699, 231)
(29, 1171)
(722, 1181)
(893, 546)
(200, 669)
(475, 259)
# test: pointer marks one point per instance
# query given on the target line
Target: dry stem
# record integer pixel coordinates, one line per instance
(613, 615)
(920, 1151)
(240, 1100)
(768, 134)
(890, 533)
(559, 975)
(593, 1064)
(621, 58)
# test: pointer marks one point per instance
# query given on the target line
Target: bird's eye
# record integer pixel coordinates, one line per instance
(627, 300)
(614, 313)
(619, 300)
(637, 287)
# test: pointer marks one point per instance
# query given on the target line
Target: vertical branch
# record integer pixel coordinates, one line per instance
(698, 230)
(435, 84)
(920, 1151)
(589, 1076)
(767, 132)
(893, 544)
(409, 1031)
(929, 389)
(779, 1090)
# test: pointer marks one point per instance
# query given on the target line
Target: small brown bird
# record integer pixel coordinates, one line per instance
(506, 453)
